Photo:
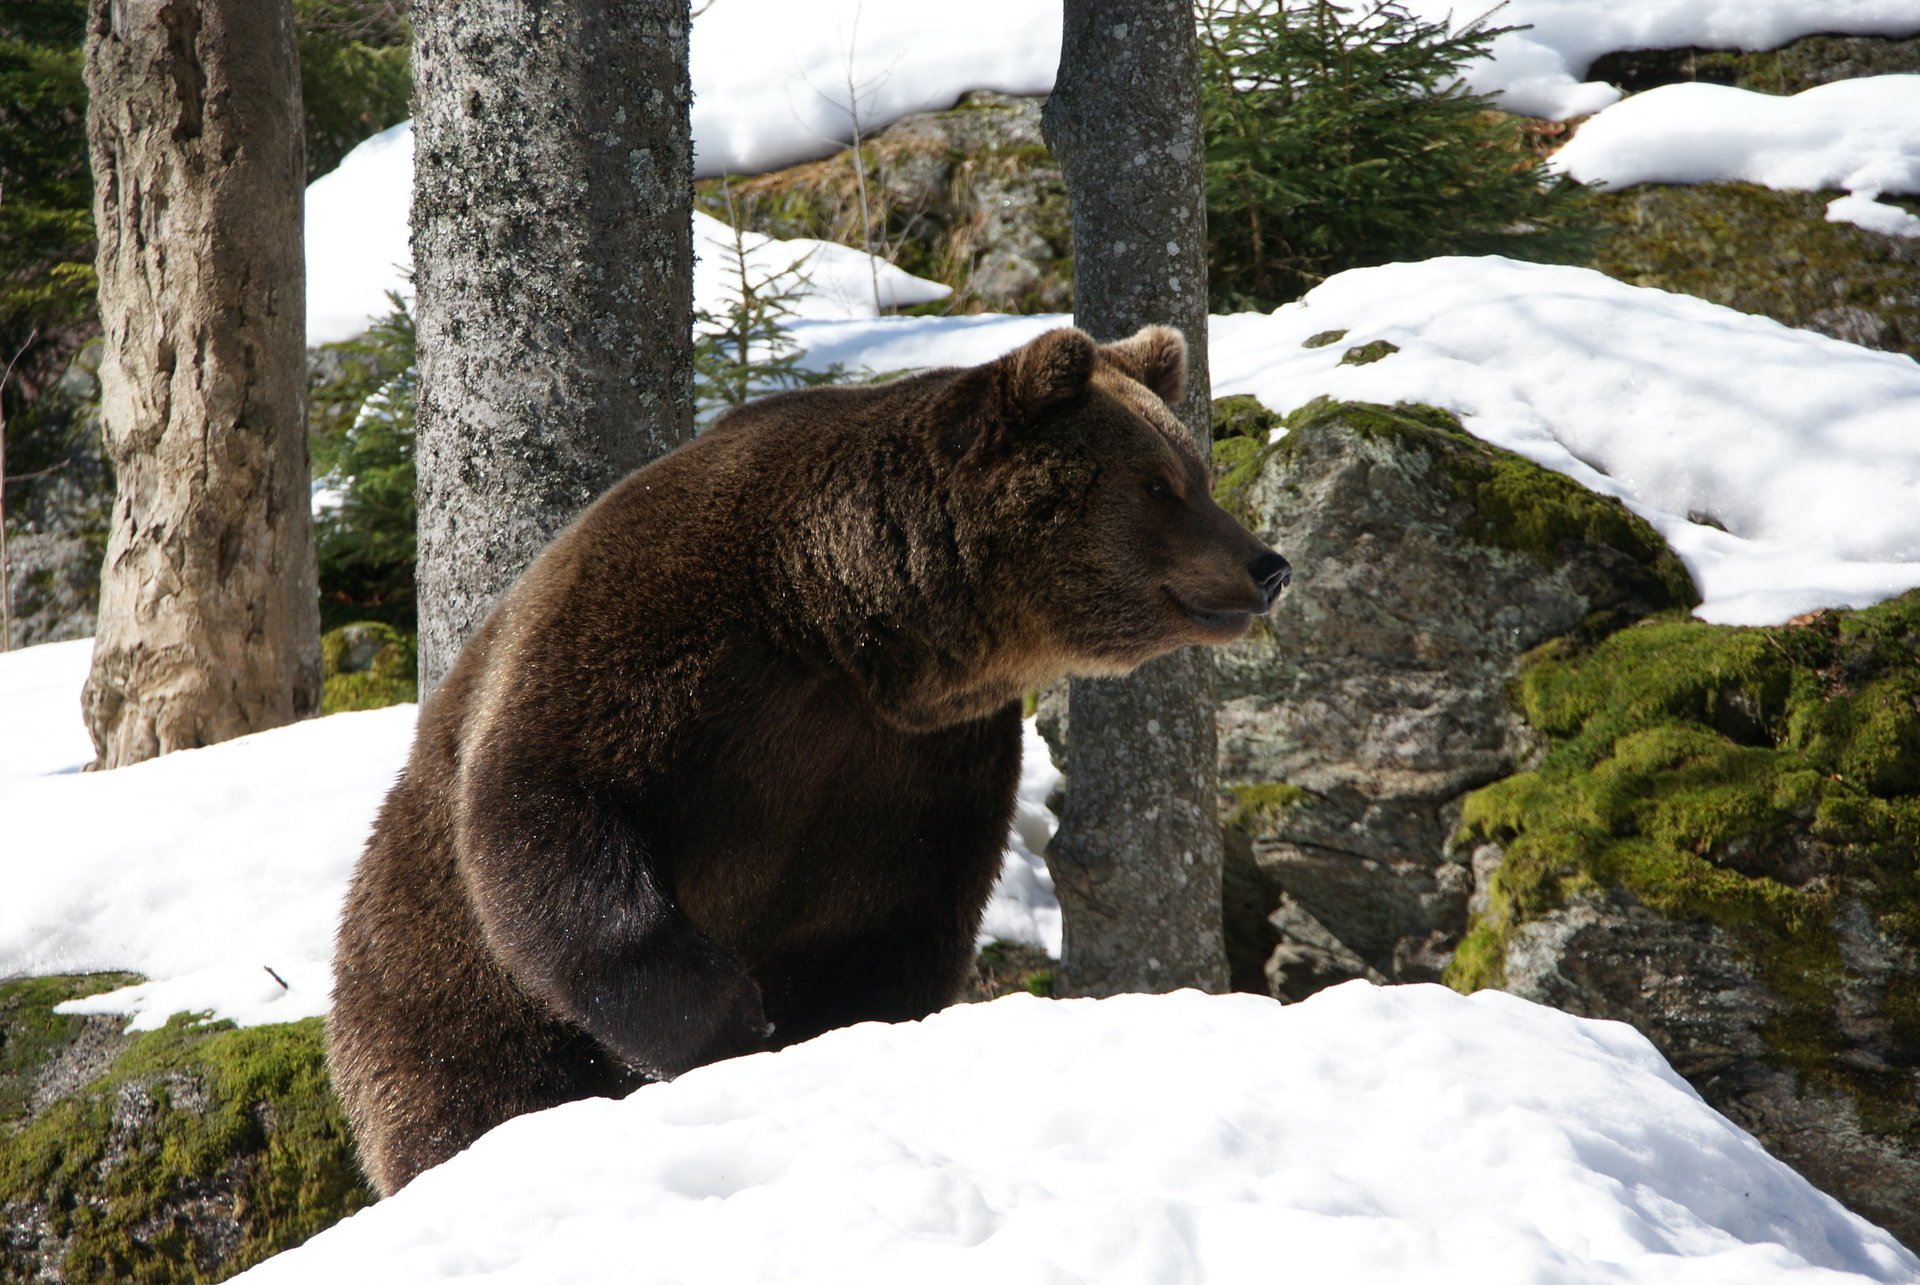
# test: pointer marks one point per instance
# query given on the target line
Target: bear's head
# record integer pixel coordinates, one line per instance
(1098, 503)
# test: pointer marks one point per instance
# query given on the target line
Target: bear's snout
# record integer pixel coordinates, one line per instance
(1271, 573)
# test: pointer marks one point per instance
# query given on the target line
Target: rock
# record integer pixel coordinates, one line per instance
(1354, 719)
(59, 494)
(1813, 60)
(368, 665)
(1717, 846)
(969, 197)
(184, 1154)
(1766, 252)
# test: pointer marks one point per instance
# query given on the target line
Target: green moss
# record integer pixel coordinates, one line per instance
(1702, 768)
(1256, 805)
(1325, 339)
(1008, 968)
(193, 1124)
(1700, 240)
(388, 678)
(1367, 354)
(1243, 416)
(1513, 503)
(32, 1034)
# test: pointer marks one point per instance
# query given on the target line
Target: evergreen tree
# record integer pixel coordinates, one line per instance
(363, 453)
(746, 350)
(1344, 138)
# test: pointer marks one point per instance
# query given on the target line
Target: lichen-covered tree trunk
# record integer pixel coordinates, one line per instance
(209, 622)
(1137, 858)
(552, 238)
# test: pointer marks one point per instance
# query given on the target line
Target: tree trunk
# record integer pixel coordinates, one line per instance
(209, 622)
(553, 259)
(1137, 858)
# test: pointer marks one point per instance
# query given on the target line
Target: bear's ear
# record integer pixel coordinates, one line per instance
(1050, 371)
(1157, 357)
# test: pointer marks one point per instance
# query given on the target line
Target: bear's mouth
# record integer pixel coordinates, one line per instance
(1231, 622)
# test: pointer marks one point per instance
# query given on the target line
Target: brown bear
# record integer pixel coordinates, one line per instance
(733, 762)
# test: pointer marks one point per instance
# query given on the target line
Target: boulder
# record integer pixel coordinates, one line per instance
(1770, 253)
(1355, 718)
(179, 1155)
(1718, 846)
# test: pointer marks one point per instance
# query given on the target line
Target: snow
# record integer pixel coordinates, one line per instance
(1858, 136)
(358, 253)
(218, 873)
(1023, 907)
(771, 77)
(40, 710)
(1806, 449)
(827, 281)
(202, 869)
(771, 88)
(1365, 1135)
(1538, 72)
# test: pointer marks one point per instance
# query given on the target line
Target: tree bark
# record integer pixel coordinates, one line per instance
(209, 622)
(553, 262)
(1137, 858)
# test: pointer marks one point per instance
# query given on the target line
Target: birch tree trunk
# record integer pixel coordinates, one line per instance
(1137, 858)
(209, 622)
(553, 259)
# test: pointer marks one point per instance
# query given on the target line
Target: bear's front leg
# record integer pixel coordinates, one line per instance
(570, 906)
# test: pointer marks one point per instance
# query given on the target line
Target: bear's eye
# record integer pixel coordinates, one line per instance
(1157, 487)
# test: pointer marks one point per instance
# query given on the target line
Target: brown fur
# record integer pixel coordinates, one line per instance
(741, 746)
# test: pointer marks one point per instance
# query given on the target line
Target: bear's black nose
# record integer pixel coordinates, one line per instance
(1272, 573)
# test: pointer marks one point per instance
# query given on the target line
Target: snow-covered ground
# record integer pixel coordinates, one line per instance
(1858, 136)
(358, 253)
(781, 81)
(218, 873)
(1368, 1135)
(1806, 449)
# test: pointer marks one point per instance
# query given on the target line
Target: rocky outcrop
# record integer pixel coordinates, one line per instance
(1760, 251)
(1790, 69)
(969, 197)
(1479, 741)
(179, 1155)
(1718, 846)
(1770, 253)
(1355, 718)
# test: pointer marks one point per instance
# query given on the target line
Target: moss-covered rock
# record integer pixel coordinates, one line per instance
(1790, 69)
(369, 665)
(1007, 968)
(1770, 253)
(969, 197)
(194, 1152)
(1740, 805)
(1354, 717)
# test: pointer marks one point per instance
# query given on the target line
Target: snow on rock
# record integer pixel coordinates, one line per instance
(1537, 72)
(1806, 449)
(218, 873)
(771, 77)
(1858, 136)
(202, 869)
(358, 253)
(1365, 1135)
